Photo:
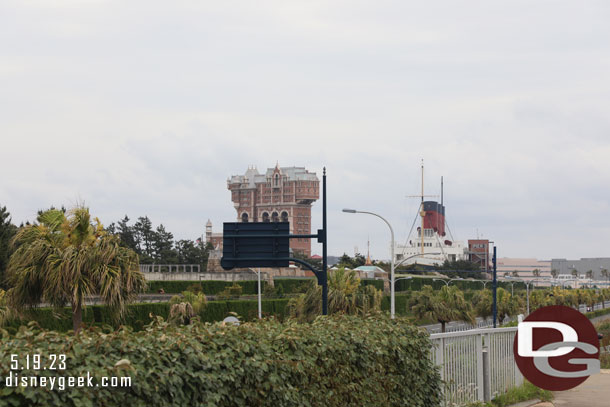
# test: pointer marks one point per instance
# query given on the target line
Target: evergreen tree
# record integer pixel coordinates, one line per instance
(7, 231)
(163, 242)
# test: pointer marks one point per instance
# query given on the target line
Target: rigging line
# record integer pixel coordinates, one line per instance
(411, 230)
(449, 229)
(440, 245)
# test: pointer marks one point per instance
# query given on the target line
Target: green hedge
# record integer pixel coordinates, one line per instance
(378, 284)
(598, 313)
(416, 284)
(292, 285)
(334, 361)
(210, 287)
(299, 285)
(138, 314)
(400, 302)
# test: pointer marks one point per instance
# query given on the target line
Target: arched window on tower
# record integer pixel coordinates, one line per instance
(275, 217)
(276, 180)
(284, 216)
(244, 217)
(265, 217)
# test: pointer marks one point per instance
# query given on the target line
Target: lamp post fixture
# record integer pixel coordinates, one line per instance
(481, 281)
(392, 264)
(447, 282)
(527, 288)
(392, 304)
(260, 302)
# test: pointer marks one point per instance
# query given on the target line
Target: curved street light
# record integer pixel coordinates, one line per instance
(392, 265)
(447, 282)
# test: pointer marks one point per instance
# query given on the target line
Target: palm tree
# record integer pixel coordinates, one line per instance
(483, 303)
(604, 273)
(445, 305)
(345, 295)
(515, 273)
(536, 273)
(506, 304)
(62, 259)
(554, 273)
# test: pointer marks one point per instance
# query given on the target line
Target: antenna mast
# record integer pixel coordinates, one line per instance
(423, 213)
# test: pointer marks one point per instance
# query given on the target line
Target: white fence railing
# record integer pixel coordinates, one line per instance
(476, 365)
(170, 268)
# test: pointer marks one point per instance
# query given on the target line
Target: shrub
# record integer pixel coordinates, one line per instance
(334, 361)
(233, 291)
(210, 287)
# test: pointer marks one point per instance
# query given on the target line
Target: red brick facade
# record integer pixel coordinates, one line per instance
(282, 195)
(478, 250)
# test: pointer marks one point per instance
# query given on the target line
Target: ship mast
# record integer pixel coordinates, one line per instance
(422, 212)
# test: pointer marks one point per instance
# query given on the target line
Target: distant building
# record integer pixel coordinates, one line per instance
(595, 264)
(478, 252)
(279, 195)
(211, 237)
(524, 267)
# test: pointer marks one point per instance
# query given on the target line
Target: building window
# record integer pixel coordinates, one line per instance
(244, 217)
(276, 180)
(275, 217)
(265, 217)
(284, 216)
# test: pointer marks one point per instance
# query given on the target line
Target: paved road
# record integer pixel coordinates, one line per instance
(594, 392)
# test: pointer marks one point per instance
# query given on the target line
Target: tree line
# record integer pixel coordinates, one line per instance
(157, 245)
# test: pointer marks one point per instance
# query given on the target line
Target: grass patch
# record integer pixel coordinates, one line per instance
(526, 391)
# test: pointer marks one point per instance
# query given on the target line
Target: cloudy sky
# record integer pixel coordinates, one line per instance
(146, 107)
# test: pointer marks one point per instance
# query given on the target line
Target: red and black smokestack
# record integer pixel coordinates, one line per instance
(435, 217)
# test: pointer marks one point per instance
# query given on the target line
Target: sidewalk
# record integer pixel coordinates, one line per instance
(594, 392)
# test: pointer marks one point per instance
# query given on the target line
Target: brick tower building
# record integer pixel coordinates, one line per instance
(279, 195)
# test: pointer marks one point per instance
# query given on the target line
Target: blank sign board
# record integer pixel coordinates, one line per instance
(255, 244)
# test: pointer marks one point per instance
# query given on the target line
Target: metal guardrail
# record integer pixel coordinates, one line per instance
(475, 365)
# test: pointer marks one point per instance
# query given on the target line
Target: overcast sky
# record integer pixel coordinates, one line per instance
(146, 107)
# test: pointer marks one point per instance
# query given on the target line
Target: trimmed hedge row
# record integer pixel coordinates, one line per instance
(138, 315)
(299, 285)
(416, 284)
(210, 287)
(400, 302)
(598, 313)
(334, 361)
(292, 285)
(378, 284)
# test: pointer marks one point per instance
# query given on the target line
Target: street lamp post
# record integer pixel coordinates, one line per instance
(447, 282)
(392, 303)
(527, 288)
(260, 302)
(392, 264)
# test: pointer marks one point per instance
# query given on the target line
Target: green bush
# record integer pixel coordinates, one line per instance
(139, 315)
(416, 284)
(292, 285)
(598, 313)
(378, 284)
(209, 287)
(334, 361)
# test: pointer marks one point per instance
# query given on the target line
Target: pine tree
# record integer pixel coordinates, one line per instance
(7, 231)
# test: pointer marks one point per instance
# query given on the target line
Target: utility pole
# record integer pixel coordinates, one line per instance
(495, 289)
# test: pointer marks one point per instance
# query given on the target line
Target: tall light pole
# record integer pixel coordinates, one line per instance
(260, 302)
(392, 303)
